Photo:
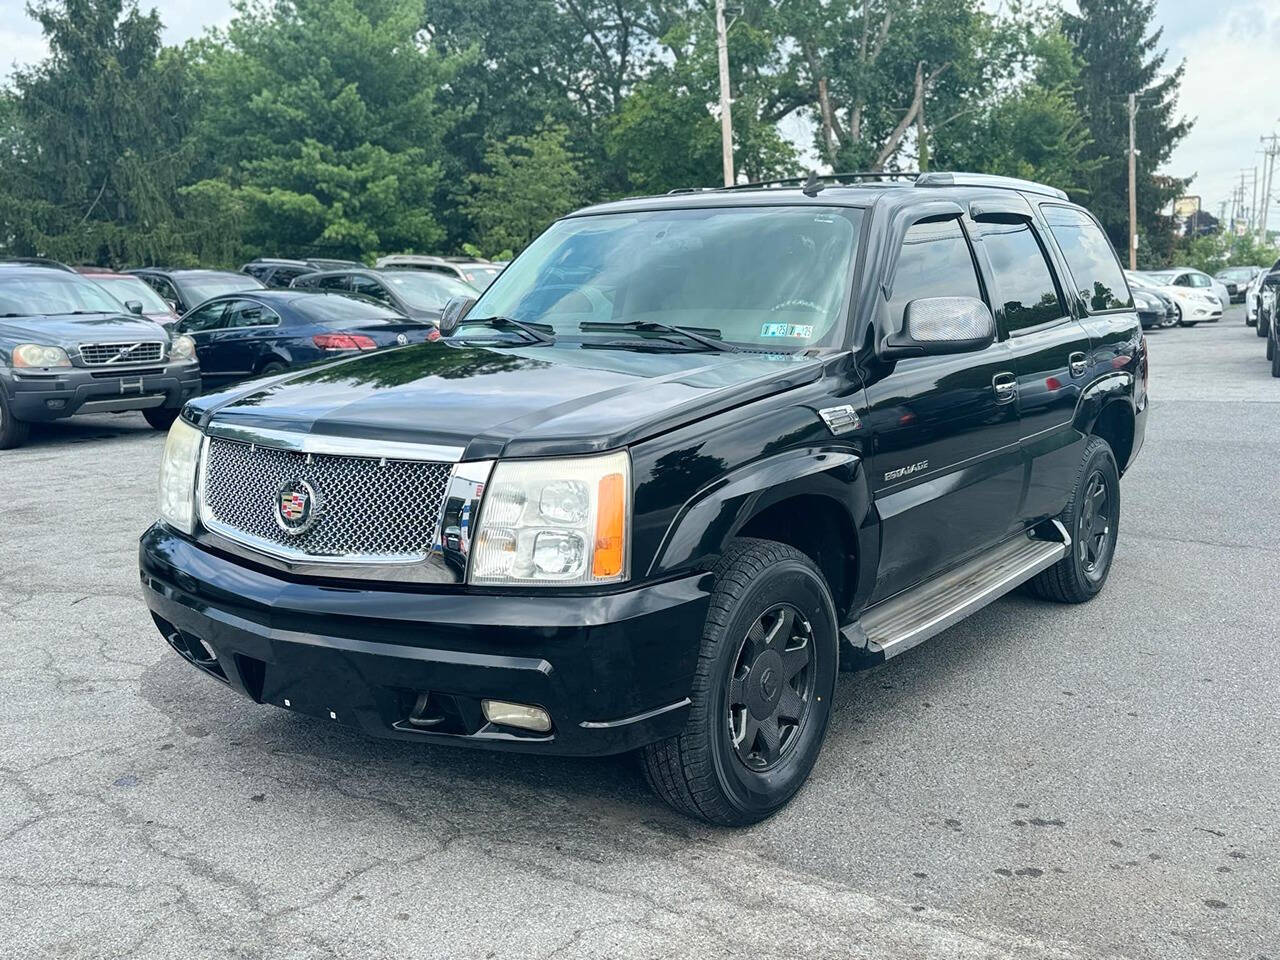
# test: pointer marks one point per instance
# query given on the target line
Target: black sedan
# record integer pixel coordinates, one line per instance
(413, 293)
(184, 289)
(262, 332)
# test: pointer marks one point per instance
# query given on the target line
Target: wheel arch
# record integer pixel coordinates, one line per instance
(815, 500)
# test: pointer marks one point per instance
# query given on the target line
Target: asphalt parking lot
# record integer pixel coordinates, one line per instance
(1039, 781)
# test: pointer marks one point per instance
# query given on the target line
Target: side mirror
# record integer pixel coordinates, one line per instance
(939, 325)
(172, 305)
(134, 306)
(454, 312)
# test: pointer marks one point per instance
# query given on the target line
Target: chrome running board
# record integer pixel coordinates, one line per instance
(901, 622)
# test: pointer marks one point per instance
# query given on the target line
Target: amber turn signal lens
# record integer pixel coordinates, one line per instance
(611, 520)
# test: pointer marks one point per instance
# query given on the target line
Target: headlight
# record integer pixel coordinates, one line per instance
(183, 348)
(178, 476)
(554, 522)
(35, 355)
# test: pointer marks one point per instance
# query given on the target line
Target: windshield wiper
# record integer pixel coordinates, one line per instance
(703, 335)
(536, 332)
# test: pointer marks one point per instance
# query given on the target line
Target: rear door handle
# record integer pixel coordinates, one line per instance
(1006, 387)
(1078, 364)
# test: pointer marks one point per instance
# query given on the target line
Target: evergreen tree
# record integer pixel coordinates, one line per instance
(1121, 54)
(95, 139)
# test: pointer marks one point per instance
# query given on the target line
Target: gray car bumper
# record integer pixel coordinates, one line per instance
(40, 396)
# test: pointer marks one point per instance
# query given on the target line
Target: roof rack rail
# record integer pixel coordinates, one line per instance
(821, 178)
(948, 179)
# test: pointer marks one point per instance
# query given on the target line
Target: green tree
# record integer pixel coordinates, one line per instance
(1121, 54)
(529, 182)
(95, 139)
(322, 127)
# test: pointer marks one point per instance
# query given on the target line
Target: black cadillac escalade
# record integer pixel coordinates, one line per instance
(685, 457)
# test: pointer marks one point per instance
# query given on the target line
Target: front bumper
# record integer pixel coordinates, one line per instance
(613, 670)
(65, 392)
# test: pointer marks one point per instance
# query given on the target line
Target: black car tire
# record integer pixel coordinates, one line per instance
(272, 368)
(1275, 359)
(1082, 573)
(1263, 323)
(702, 772)
(13, 432)
(1271, 348)
(161, 418)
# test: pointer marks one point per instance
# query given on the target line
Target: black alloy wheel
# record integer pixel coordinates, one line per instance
(762, 689)
(1094, 531)
(771, 687)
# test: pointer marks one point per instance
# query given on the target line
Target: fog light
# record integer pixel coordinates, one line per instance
(55, 404)
(516, 715)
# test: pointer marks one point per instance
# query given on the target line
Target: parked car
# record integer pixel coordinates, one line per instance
(419, 296)
(278, 272)
(260, 333)
(185, 289)
(1139, 283)
(1237, 280)
(1252, 298)
(35, 262)
(1257, 299)
(646, 489)
(476, 272)
(1191, 294)
(1267, 307)
(69, 347)
(136, 295)
(1185, 278)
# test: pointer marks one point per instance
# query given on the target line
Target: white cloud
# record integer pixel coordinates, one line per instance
(1232, 88)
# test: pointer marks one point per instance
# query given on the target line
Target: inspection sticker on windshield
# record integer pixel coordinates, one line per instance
(802, 331)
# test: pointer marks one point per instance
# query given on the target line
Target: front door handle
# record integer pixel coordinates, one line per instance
(1006, 387)
(1078, 363)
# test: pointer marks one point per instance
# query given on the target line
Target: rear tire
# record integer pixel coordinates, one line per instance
(761, 692)
(1271, 348)
(13, 432)
(161, 418)
(1092, 517)
(1275, 361)
(272, 368)
(1263, 324)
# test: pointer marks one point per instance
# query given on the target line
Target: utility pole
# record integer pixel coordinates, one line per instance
(1133, 198)
(1271, 146)
(726, 118)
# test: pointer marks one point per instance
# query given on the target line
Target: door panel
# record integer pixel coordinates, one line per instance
(948, 468)
(1050, 351)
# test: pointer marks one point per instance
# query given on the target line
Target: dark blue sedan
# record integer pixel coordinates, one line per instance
(261, 332)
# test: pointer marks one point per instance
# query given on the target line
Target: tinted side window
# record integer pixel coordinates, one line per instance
(246, 313)
(339, 282)
(1024, 283)
(1094, 267)
(371, 289)
(203, 318)
(934, 262)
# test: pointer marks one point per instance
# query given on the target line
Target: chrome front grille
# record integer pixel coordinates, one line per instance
(132, 351)
(368, 509)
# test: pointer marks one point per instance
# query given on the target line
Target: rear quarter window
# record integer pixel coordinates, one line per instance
(1094, 268)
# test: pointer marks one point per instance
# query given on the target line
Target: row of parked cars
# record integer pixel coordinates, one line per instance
(1261, 306)
(89, 340)
(1182, 296)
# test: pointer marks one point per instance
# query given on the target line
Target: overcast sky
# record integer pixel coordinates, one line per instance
(1232, 84)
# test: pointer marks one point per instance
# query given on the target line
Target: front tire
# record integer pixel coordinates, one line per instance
(762, 690)
(1262, 325)
(161, 418)
(1275, 359)
(1093, 518)
(13, 432)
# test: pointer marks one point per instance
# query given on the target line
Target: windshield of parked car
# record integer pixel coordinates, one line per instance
(426, 291)
(126, 287)
(1161, 279)
(329, 308)
(1238, 273)
(57, 293)
(776, 277)
(198, 289)
(478, 276)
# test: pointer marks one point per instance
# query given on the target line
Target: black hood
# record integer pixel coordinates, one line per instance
(520, 401)
(69, 331)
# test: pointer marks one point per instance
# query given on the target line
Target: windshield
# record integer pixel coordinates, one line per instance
(480, 277)
(29, 295)
(759, 276)
(125, 287)
(1161, 279)
(197, 289)
(1237, 273)
(426, 291)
